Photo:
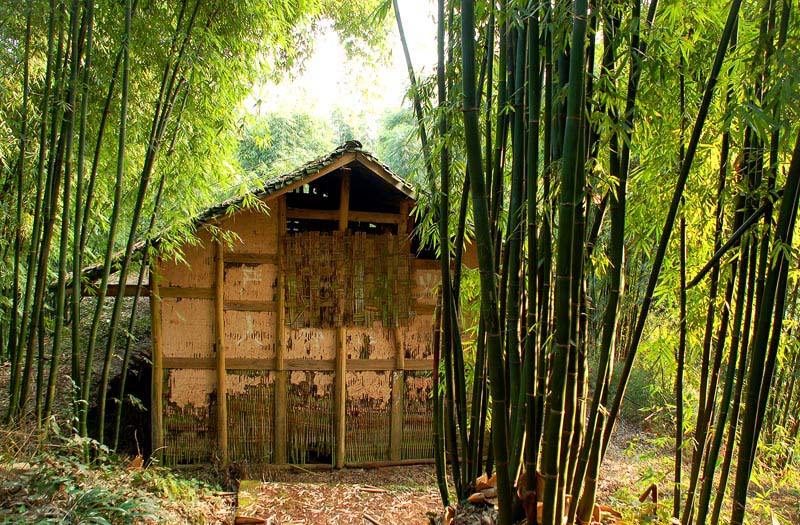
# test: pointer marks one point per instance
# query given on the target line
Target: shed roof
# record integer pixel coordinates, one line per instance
(346, 154)
(352, 151)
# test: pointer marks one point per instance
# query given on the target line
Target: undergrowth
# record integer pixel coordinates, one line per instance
(48, 482)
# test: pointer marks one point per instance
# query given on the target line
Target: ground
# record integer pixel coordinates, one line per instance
(402, 495)
(47, 483)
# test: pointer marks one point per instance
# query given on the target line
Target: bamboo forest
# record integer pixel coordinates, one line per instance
(399, 261)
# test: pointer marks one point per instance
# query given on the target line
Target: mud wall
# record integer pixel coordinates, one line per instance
(387, 344)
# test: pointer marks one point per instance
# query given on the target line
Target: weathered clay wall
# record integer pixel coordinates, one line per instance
(250, 292)
(249, 335)
(376, 342)
(257, 232)
(187, 327)
(192, 266)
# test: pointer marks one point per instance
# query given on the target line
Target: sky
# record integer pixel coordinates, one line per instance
(329, 80)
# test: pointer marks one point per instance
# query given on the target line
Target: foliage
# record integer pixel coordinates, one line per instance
(48, 482)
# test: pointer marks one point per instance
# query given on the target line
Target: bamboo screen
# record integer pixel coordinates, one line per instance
(310, 417)
(250, 416)
(336, 279)
(368, 416)
(189, 430)
(417, 416)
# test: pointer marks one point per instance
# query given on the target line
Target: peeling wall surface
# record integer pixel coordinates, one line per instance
(391, 326)
(249, 335)
(186, 387)
(187, 327)
(417, 341)
(376, 342)
(311, 343)
(255, 282)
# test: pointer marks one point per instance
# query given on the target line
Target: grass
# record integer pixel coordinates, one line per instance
(46, 481)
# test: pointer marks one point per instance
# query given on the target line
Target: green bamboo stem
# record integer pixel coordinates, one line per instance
(529, 374)
(658, 260)
(570, 208)
(113, 223)
(485, 260)
(20, 171)
(766, 336)
(514, 250)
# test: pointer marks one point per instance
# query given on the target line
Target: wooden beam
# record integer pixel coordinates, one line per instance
(314, 365)
(419, 364)
(426, 264)
(340, 372)
(344, 200)
(306, 213)
(187, 292)
(251, 258)
(90, 290)
(340, 396)
(424, 309)
(381, 172)
(398, 398)
(219, 343)
(402, 226)
(157, 379)
(341, 162)
(210, 363)
(251, 306)
(280, 423)
(352, 215)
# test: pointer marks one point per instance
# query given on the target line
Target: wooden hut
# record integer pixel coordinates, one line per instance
(302, 333)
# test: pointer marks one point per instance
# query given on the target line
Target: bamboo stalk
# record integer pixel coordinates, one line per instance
(669, 223)
(219, 344)
(157, 357)
(485, 259)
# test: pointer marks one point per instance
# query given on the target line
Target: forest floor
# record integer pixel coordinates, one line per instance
(48, 483)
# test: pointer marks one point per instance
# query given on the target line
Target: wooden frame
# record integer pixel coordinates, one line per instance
(281, 377)
(211, 290)
(321, 365)
(219, 343)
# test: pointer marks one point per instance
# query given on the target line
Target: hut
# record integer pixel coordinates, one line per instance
(300, 331)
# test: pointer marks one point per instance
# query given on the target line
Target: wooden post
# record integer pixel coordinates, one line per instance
(219, 343)
(340, 395)
(340, 371)
(281, 375)
(398, 375)
(344, 200)
(157, 379)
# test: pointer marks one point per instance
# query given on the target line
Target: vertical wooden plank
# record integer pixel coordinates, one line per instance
(281, 375)
(344, 200)
(398, 375)
(219, 338)
(340, 370)
(340, 396)
(396, 421)
(157, 379)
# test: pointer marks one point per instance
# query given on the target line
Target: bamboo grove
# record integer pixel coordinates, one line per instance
(619, 165)
(111, 126)
(625, 169)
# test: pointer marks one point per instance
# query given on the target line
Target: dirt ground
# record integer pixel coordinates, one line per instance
(407, 495)
(403, 495)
